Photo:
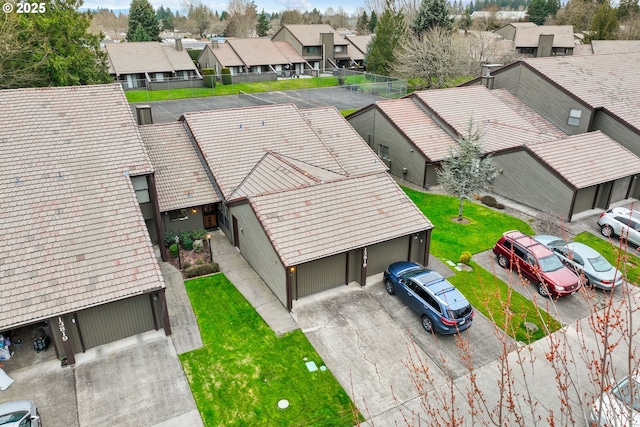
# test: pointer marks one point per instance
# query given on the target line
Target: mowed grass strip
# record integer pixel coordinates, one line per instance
(244, 369)
(482, 229)
(625, 261)
(143, 95)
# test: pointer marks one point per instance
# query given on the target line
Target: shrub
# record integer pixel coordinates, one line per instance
(201, 270)
(187, 244)
(197, 246)
(489, 201)
(186, 264)
(209, 77)
(174, 250)
(170, 238)
(199, 234)
(185, 235)
(499, 206)
(199, 261)
(225, 75)
(465, 257)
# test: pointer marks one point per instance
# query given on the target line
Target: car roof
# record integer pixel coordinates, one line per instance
(582, 250)
(626, 212)
(538, 249)
(548, 239)
(15, 406)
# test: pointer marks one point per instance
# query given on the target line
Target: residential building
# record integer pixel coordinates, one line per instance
(319, 44)
(536, 41)
(77, 260)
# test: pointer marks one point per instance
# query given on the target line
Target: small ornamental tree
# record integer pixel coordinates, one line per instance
(466, 172)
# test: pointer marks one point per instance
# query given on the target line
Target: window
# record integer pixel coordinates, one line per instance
(339, 49)
(178, 215)
(383, 152)
(574, 117)
(312, 49)
(141, 187)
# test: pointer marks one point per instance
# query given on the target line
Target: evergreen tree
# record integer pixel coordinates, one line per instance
(362, 26)
(264, 24)
(604, 24)
(141, 13)
(165, 18)
(432, 13)
(373, 22)
(140, 35)
(390, 32)
(537, 11)
(627, 7)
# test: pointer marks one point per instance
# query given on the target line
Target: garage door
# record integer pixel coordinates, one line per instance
(619, 190)
(116, 320)
(322, 274)
(379, 256)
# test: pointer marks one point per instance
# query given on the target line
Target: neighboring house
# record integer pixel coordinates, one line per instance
(600, 47)
(414, 134)
(580, 94)
(319, 44)
(304, 200)
(77, 259)
(252, 55)
(152, 65)
(538, 41)
(358, 48)
(187, 198)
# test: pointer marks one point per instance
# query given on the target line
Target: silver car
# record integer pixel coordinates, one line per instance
(585, 261)
(618, 407)
(621, 222)
(19, 413)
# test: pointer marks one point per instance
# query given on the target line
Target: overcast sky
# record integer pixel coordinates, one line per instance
(269, 6)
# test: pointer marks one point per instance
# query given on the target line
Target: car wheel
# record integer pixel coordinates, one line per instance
(606, 230)
(389, 287)
(503, 261)
(543, 290)
(427, 324)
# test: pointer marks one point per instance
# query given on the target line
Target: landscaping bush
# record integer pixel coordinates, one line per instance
(173, 249)
(209, 77)
(201, 270)
(185, 235)
(199, 261)
(199, 234)
(225, 75)
(489, 201)
(465, 258)
(187, 244)
(198, 245)
(170, 238)
(499, 206)
(186, 264)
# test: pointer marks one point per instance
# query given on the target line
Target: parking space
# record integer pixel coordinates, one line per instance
(567, 309)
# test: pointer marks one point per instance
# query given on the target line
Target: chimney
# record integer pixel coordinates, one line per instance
(143, 114)
(178, 45)
(214, 44)
(487, 81)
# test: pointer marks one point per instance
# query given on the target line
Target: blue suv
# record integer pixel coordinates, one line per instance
(441, 306)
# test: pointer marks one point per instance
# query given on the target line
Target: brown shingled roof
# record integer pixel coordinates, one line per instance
(366, 203)
(530, 36)
(73, 233)
(309, 34)
(149, 57)
(181, 178)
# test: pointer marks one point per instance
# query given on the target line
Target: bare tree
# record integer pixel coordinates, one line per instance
(243, 17)
(630, 27)
(199, 15)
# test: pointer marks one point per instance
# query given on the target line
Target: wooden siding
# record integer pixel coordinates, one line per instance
(527, 181)
(585, 198)
(617, 131)
(379, 256)
(120, 319)
(193, 221)
(320, 275)
(619, 190)
(507, 79)
(376, 130)
(354, 265)
(256, 248)
(635, 188)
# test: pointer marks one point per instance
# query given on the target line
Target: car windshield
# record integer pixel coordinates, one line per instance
(550, 263)
(600, 264)
(13, 417)
(629, 393)
(460, 312)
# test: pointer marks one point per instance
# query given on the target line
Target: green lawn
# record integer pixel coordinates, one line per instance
(629, 266)
(244, 369)
(144, 95)
(485, 292)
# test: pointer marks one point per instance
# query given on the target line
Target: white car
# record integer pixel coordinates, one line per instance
(618, 407)
(19, 413)
(621, 222)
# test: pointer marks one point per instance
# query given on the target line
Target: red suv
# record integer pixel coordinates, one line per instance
(537, 263)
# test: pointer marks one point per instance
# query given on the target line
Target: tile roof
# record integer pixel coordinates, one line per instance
(433, 141)
(296, 220)
(149, 57)
(234, 140)
(309, 35)
(73, 232)
(601, 159)
(289, 52)
(360, 43)
(225, 55)
(530, 36)
(257, 51)
(594, 80)
(458, 108)
(614, 46)
(341, 139)
(181, 177)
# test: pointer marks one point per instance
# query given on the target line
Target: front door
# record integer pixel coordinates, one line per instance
(236, 237)
(210, 216)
